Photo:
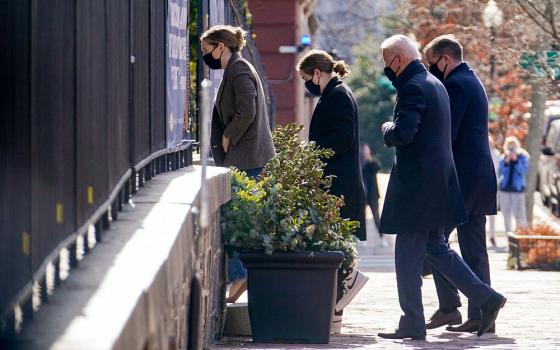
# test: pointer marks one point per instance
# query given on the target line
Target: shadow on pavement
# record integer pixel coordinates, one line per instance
(472, 341)
(343, 341)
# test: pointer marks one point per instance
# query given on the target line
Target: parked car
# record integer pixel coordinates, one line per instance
(549, 168)
(551, 113)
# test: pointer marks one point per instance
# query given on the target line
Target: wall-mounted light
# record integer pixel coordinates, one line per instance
(305, 41)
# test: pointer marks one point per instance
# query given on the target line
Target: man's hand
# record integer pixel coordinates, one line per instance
(225, 143)
(386, 126)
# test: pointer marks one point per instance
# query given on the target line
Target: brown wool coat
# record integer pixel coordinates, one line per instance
(240, 114)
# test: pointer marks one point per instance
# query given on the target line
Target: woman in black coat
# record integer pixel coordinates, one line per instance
(370, 167)
(334, 125)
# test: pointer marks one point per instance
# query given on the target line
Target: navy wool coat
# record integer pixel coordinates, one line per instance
(334, 125)
(423, 191)
(469, 135)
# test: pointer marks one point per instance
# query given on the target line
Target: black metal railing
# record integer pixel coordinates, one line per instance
(82, 129)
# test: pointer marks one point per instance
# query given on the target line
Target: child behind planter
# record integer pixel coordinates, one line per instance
(496, 161)
(514, 165)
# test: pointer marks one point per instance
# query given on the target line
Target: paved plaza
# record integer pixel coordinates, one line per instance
(529, 319)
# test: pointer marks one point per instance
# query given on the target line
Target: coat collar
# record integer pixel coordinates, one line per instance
(334, 82)
(413, 68)
(462, 67)
(235, 56)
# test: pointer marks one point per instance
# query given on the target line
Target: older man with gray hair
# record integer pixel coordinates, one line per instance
(423, 197)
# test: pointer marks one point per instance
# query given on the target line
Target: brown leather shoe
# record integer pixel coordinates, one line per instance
(490, 311)
(470, 326)
(440, 318)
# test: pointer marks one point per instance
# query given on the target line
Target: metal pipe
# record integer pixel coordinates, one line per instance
(204, 149)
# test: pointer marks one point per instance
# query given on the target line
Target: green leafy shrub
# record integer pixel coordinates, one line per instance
(289, 207)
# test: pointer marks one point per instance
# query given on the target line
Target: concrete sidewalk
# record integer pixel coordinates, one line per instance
(529, 319)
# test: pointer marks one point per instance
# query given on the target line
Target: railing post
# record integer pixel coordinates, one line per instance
(98, 233)
(204, 219)
(85, 238)
(115, 207)
(44, 290)
(106, 223)
(72, 255)
(56, 265)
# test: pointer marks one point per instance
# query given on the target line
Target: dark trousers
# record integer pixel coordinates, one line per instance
(410, 251)
(373, 203)
(472, 241)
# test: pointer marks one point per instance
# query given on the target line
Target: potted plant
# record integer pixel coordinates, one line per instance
(292, 241)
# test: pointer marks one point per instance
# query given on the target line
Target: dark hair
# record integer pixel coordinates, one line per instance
(321, 60)
(445, 45)
(232, 37)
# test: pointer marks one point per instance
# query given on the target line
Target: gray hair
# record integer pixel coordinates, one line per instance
(401, 45)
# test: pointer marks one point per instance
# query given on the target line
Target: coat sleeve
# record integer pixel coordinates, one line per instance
(216, 133)
(458, 103)
(343, 131)
(245, 93)
(522, 165)
(407, 119)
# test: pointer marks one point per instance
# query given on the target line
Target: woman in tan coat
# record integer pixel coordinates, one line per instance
(240, 133)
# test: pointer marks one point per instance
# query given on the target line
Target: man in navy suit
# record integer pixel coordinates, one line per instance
(423, 196)
(475, 171)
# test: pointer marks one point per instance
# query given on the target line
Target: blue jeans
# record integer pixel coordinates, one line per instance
(235, 269)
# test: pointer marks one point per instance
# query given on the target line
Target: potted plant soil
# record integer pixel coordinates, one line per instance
(292, 241)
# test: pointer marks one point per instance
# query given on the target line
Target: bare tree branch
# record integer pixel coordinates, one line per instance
(533, 13)
(535, 8)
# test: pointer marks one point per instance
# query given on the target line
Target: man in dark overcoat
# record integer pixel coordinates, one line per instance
(423, 196)
(475, 171)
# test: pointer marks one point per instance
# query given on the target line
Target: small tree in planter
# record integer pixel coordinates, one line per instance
(292, 239)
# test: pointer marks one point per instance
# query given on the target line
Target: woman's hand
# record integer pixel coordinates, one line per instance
(225, 143)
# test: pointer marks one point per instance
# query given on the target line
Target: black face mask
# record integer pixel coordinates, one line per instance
(435, 70)
(389, 73)
(211, 62)
(314, 89)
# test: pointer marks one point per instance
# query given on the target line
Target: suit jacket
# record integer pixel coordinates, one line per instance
(469, 135)
(334, 125)
(240, 114)
(423, 191)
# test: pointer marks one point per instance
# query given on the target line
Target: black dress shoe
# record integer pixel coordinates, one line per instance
(398, 334)
(470, 326)
(440, 318)
(490, 311)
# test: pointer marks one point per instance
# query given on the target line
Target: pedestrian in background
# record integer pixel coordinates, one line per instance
(475, 172)
(514, 165)
(496, 161)
(370, 167)
(335, 125)
(240, 133)
(423, 196)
